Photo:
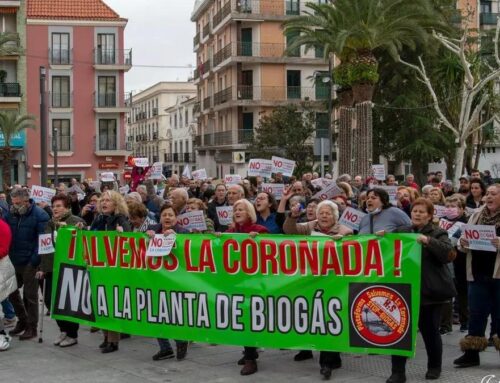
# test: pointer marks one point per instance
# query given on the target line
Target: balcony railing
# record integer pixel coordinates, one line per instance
(10, 89)
(107, 100)
(221, 15)
(228, 137)
(61, 100)
(258, 7)
(206, 30)
(223, 96)
(64, 143)
(207, 103)
(112, 56)
(223, 54)
(196, 40)
(280, 93)
(180, 157)
(489, 18)
(61, 56)
(155, 111)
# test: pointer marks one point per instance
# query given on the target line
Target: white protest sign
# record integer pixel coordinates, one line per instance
(95, 185)
(317, 183)
(392, 191)
(80, 196)
(440, 211)
(45, 245)
(107, 177)
(160, 245)
(156, 171)
(480, 236)
(187, 171)
(200, 174)
(232, 179)
(274, 189)
(283, 166)
(41, 194)
(193, 220)
(351, 218)
(328, 192)
(379, 172)
(258, 167)
(141, 162)
(124, 189)
(225, 215)
(450, 227)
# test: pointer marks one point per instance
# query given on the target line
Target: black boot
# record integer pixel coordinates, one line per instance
(111, 347)
(19, 329)
(104, 344)
(433, 373)
(326, 372)
(303, 355)
(397, 377)
(470, 358)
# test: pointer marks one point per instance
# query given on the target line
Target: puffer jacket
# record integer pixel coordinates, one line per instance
(7, 273)
(5, 239)
(110, 223)
(47, 262)
(25, 231)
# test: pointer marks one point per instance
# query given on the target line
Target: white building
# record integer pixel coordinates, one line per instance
(147, 122)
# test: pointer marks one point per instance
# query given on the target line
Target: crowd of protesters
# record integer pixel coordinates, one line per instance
(471, 297)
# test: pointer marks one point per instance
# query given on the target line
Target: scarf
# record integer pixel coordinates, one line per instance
(488, 218)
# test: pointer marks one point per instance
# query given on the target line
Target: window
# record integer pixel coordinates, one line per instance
(293, 84)
(105, 48)
(321, 125)
(62, 136)
(485, 6)
(322, 88)
(292, 7)
(107, 134)
(106, 86)
(60, 92)
(186, 116)
(60, 49)
(319, 52)
(290, 38)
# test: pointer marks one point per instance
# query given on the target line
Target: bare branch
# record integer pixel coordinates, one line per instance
(494, 118)
(497, 35)
(481, 84)
(474, 117)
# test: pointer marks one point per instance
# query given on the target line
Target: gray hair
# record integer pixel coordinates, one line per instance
(332, 205)
(141, 188)
(20, 193)
(240, 189)
(344, 178)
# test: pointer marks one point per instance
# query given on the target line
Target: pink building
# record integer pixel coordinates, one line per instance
(80, 44)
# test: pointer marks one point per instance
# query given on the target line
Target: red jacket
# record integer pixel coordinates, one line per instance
(5, 238)
(248, 228)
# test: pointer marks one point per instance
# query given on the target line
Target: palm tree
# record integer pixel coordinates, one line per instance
(11, 123)
(354, 30)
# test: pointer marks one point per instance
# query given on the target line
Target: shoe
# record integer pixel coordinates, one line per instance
(163, 354)
(4, 342)
(60, 338)
(94, 329)
(469, 359)
(124, 336)
(303, 355)
(326, 372)
(29, 333)
(20, 327)
(444, 331)
(104, 344)
(249, 368)
(68, 342)
(9, 322)
(464, 327)
(433, 373)
(110, 347)
(241, 362)
(396, 377)
(182, 349)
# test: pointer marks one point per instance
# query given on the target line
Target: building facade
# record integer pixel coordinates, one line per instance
(149, 132)
(80, 46)
(13, 81)
(243, 73)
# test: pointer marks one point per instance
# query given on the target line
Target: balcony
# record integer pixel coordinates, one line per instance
(207, 103)
(196, 41)
(222, 55)
(107, 146)
(223, 96)
(206, 31)
(228, 137)
(10, 92)
(61, 100)
(489, 18)
(155, 112)
(109, 103)
(181, 158)
(60, 57)
(222, 14)
(113, 59)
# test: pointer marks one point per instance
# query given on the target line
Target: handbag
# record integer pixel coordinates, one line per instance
(438, 284)
(8, 282)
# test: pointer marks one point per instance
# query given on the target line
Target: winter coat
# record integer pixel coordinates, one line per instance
(388, 219)
(248, 228)
(7, 273)
(6, 239)
(110, 223)
(25, 231)
(158, 229)
(312, 228)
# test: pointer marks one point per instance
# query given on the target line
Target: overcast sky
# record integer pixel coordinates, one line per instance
(160, 33)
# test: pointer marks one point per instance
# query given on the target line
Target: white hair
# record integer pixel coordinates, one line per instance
(332, 205)
(248, 207)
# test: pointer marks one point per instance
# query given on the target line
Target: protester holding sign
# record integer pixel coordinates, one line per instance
(265, 205)
(195, 204)
(113, 215)
(244, 221)
(168, 225)
(138, 216)
(61, 216)
(382, 216)
(219, 200)
(477, 190)
(436, 288)
(483, 274)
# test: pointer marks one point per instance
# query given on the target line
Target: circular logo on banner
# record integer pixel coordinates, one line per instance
(380, 315)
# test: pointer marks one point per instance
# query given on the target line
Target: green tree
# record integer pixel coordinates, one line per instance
(286, 132)
(11, 123)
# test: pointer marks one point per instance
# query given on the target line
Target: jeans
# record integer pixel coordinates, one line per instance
(26, 308)
(165, 344)
(484, 299)
(428, 324)
(8, 309)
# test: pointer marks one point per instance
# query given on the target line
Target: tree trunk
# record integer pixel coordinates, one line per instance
(417, 170)
(479, 148)
(6, 163)
(459, 162)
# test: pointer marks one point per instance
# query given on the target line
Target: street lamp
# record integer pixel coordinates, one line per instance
(43, 128)
(54, 150)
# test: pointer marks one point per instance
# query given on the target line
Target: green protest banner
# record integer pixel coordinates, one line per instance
(359, 294)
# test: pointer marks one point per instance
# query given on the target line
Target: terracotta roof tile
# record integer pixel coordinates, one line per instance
(70, 9)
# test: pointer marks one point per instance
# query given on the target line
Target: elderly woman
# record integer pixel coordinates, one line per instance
(436, 288)
(138, 216)
(244, 221)
(382, 216)
(266, 206)
(168, 225)
(483, 274)
(61, 216)
(436, 196)
(196, 204)
(113, 216)
(327, 214)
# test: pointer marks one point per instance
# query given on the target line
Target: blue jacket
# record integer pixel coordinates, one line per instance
(25, 231)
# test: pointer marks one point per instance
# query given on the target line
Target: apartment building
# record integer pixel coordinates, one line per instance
(80, 47)
(149, 126)
(13, 80)
(183, 121)
(243, 73)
